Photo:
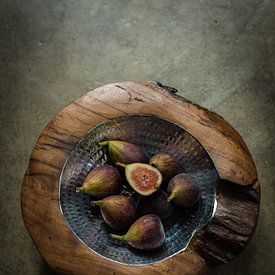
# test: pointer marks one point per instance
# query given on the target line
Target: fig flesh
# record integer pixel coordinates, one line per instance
(117, 211)
(125, 152)
(155, 204)
(101, 182)
(146, 233)
(166, 164)
(143, 178)
(183, 190)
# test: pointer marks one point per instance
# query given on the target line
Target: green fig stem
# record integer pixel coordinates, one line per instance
(79, 189)
(121, 164)
(117, 237)
(103, 143)
(98, 203)
(172, 195)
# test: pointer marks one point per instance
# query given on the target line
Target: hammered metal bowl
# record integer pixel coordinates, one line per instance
(154, 135)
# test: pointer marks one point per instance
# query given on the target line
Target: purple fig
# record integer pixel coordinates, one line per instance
(101, 182)
(125, 152)
(143, 178)
(117, 211)
(155, 204)
(166, 164)
(183, 190)
(146, 233)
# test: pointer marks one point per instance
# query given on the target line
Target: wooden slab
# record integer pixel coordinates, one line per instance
(238, 194)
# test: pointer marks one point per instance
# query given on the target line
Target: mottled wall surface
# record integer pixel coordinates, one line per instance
(220, 54)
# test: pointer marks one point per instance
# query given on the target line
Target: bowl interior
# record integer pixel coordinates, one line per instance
(154, 135)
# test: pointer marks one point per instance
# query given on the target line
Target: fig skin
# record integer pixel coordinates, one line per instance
(125, 152)
(118, 211)
(166, 164)
(183, 190)
(101, 182)
(147, 233)
(155, 204)
(143, 178)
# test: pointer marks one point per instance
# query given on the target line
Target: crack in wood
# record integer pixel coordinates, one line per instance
(109, 105)
(89, 110)
(32, 159)
(62, 141)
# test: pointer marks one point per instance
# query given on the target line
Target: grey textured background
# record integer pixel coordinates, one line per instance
(220, 54)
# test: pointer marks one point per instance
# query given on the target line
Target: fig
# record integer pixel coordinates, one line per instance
(155, 204)
(125, 152)
(166, 164)
(101, 182)
(183, 190)
(143, 178)
(146, 233)
(117, 211)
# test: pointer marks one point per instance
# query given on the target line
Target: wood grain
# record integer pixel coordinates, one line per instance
(232, 225)
(238, 194)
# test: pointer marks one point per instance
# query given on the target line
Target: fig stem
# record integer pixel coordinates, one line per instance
(103, 143)
(117, 237)
(99, 203)
(121, 164)
(172, 195)
(79, 189)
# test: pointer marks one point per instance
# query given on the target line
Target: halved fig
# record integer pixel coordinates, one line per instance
(143, 178)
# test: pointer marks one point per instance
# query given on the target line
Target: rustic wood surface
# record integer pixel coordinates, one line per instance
(238, 194)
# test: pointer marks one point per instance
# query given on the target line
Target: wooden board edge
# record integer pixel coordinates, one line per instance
(237, 145)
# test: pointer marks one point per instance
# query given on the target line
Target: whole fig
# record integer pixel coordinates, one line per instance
(183, 190)
(166, 164)
(101, 182)
(117, 211)
(125, 152)
(155, 204)
(146, 233)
